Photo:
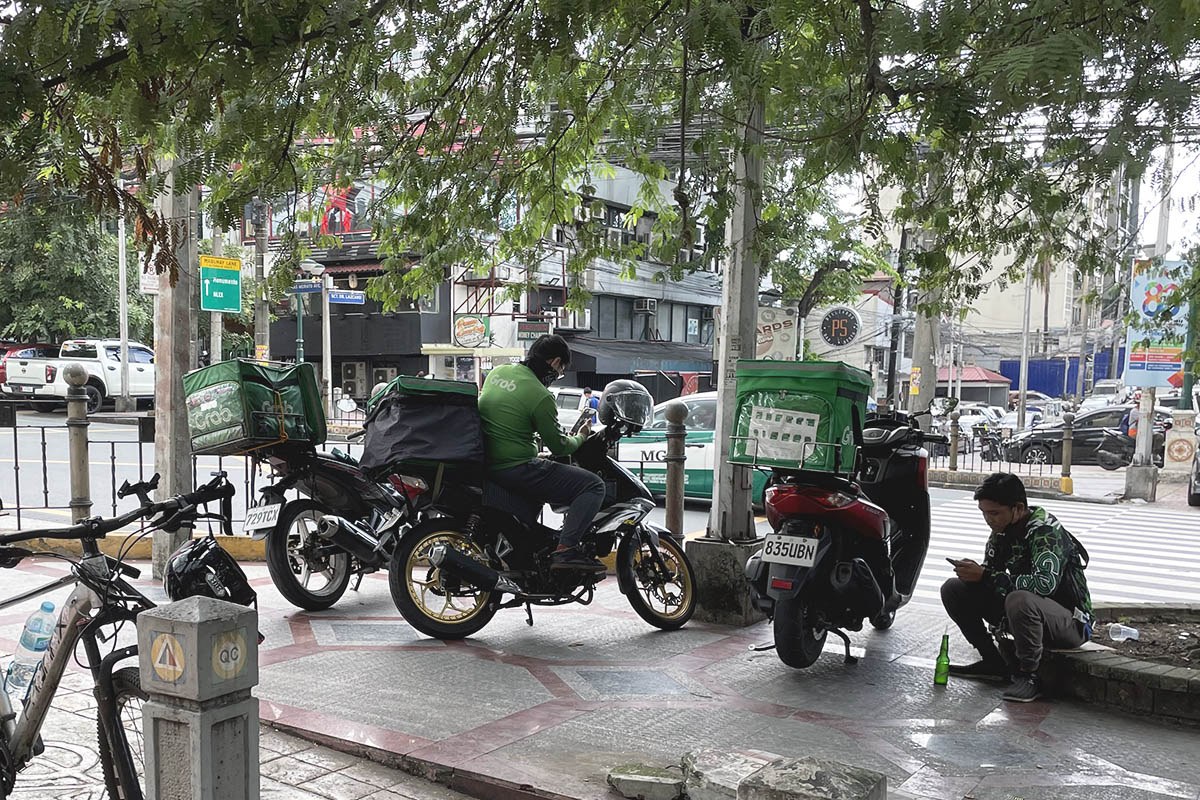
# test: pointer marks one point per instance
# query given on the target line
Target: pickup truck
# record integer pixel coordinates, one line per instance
(41, 379)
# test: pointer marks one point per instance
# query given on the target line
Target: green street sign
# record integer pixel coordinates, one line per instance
(220, 284)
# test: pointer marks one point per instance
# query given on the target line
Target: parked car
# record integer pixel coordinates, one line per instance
(19, 351)
(1042, 444)
(644, 453)
(43, 378)
(570, 403)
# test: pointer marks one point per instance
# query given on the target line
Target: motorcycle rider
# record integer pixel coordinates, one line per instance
(515, 404)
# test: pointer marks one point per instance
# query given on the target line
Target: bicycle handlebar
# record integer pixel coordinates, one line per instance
(218, 488)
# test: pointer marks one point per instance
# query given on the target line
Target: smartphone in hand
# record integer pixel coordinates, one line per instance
(953, 561)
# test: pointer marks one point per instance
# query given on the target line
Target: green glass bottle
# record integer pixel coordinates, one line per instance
(941, 672)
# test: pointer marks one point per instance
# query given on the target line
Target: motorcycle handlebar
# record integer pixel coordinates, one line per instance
(219, 488)
(936, 438)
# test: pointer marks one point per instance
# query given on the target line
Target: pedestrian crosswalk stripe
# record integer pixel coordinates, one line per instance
(1138, 554)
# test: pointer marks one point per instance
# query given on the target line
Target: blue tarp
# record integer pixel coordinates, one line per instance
(1056, 376)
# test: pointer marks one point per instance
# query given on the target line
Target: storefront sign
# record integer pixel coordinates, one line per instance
(840, 326)
(471, 330)
(529, 330)
(1154, 344)
(777, 332)
(914, 381)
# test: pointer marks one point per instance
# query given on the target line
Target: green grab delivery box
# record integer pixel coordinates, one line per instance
(238, 406)
(798, 414)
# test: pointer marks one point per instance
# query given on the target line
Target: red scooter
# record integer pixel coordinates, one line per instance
(845, 548)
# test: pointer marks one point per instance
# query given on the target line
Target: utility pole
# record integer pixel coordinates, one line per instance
(1084, 320)
(216, 317)
(262, 321)
(326, 347)
(897, 348)
(1141, 477)
(1023, 387)
(926, 341)
(124, 403)
(730, 539)
(172, 352)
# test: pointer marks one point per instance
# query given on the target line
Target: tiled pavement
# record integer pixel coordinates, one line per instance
(586, 688)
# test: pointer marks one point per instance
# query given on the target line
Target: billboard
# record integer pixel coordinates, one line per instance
(1154, 346)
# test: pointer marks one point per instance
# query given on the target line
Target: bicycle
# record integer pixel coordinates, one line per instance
(102, 598)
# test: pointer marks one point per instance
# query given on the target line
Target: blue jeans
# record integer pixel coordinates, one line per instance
(543, 481)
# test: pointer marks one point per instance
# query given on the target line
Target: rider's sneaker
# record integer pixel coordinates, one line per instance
(572, 559)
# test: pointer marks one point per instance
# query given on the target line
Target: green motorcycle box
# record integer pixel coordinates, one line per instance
(239, 406)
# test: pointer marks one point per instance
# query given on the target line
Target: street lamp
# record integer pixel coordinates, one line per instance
(311, 268)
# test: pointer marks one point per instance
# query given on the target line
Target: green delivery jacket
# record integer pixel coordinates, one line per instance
(514, 405)
(1040, 557)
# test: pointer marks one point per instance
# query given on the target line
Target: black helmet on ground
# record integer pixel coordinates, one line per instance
(200, 568)
(626, 401)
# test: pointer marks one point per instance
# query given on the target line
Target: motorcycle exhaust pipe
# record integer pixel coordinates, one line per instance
(467, 569)
(355, 539)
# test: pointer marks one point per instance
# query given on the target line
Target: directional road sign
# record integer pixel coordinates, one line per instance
(306, 287)
(347, 296)
(220, 284)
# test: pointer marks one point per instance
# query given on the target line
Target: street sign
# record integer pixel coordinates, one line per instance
(220, 284)
(306, 287)
(147, 281)
(529, 330)
(347, 297)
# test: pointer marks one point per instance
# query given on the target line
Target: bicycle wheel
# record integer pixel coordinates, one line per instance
(128, 698)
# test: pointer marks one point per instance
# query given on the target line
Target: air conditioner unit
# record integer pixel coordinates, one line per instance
(710, 312)
(504, 272)
(354, 379)
(645, 306)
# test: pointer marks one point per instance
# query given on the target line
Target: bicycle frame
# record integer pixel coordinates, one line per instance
(75, 624)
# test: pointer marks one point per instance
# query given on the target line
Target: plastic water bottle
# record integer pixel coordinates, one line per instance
(941, 670)
(1119, 633)
(34, 641)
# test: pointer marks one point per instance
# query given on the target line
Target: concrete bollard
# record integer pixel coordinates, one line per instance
(1066, 484)
(199, 661)
(77, 441)
(1180, 446)
(676, 413)
(954, 415)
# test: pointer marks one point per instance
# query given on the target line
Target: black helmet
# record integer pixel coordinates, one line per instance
(548, 346)
(201, 568)
(626, 401)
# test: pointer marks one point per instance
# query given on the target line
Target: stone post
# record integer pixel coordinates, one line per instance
(676, 413)
(77, 441)
(1066, 484)
(954, 415)
(199, 661)
(1181, 442)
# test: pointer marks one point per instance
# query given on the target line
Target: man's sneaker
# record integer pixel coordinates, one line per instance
(574, 560)
(1023, 689)
(981, 671)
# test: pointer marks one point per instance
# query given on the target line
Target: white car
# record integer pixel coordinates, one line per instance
(570, 402)
(1105, 393)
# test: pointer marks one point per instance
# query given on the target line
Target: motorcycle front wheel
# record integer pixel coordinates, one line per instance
(301, 566)
(433, 602)
(662, 594)
(797, 642)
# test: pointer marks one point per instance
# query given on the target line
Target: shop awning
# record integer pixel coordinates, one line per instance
(618, 357)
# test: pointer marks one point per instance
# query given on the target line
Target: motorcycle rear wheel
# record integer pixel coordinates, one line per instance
(294, 563)
(796, 640)
(428, 600)
(667, 601)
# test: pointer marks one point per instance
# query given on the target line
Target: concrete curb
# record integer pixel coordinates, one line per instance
(242, 548)
(475, 784)
(1099, 674)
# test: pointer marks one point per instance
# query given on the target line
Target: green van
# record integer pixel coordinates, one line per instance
(644, 454)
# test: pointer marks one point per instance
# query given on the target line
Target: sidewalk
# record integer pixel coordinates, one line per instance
(520, 712)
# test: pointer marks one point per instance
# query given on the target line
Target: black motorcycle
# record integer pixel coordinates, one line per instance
(1116, 449)
(345, 525)
(845, 548)
(450, 572)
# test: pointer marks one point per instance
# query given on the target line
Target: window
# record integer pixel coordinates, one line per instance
(624, 322)
(1105, 419)
(702, 415)
(693, 324)
(78, 350)
(140, 355)
(678, 322)
(606, 317)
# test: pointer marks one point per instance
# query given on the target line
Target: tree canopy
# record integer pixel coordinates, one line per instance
(58, 275)
(983, 117)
